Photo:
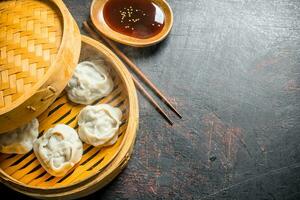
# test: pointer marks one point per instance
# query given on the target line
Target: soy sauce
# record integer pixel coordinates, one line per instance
(136, 18)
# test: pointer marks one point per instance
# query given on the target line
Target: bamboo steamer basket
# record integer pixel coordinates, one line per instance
(97, 167)
(39, 49)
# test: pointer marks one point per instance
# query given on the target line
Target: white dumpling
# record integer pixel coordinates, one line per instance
(98, 125)
(58, 150)
(20, 140)
(89, 83)
(112, 141)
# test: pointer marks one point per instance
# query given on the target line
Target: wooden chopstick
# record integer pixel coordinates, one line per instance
(152, 101)
(136, 69)
(94, 35)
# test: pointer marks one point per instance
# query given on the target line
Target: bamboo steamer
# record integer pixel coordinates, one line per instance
(39, 49)
(97, 167)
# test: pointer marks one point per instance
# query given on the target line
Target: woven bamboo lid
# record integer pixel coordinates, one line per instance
(39, 48)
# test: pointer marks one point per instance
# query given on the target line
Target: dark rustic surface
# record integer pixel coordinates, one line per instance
(232, 67)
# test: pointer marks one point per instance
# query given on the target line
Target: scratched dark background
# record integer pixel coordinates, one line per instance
(232, 67)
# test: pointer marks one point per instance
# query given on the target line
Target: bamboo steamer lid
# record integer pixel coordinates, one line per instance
(39, 49)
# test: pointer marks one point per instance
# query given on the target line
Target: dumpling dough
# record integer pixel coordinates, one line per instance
(98, 125)
(20, 140)
(58, 150)
(112, 141)
(89, 83)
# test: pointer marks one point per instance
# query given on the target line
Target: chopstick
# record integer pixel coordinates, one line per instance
(94, 35)
(152, 101)
(136, 69)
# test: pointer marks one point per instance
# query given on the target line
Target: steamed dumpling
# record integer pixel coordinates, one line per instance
(20, 140)
(58, 150)
(98, 125)
(89, 83)
(112, 141)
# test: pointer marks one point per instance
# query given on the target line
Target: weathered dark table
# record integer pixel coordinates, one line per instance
(232, 67)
